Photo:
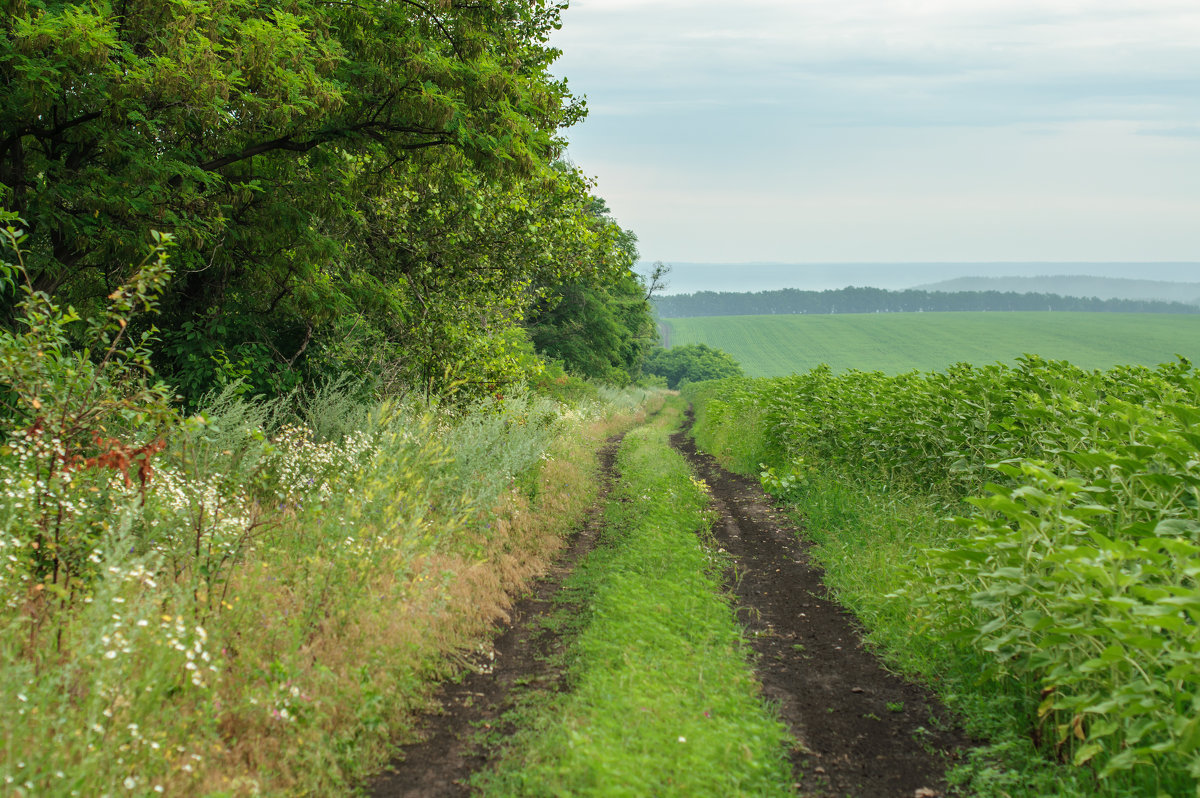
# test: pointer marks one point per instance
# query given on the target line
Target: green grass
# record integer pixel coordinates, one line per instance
(276, 608)
(663, 700)
(768, 346)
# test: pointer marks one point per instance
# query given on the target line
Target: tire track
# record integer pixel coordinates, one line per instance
(864, 731)
(524, 658)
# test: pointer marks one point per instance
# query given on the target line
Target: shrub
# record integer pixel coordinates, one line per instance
(691, 363)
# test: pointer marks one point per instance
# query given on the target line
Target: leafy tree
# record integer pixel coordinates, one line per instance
(350, 184)
(600, 332)
(880, 300)
(691, 363)
(599, 328)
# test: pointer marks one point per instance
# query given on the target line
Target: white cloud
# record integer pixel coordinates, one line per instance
(892, 129)
(921, 56)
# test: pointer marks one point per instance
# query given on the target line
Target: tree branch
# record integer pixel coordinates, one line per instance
(59, 129)
(372, 129)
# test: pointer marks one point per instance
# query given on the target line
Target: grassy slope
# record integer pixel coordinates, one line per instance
(663, 701)
(897, 342)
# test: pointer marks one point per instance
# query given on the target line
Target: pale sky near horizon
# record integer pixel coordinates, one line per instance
(892, 130)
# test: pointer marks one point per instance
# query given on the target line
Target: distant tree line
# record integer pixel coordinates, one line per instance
(879, 300)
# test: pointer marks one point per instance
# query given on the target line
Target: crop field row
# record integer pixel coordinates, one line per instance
(771, 346)
(1068, 577)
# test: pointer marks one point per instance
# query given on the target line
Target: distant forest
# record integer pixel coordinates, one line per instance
(879, 300)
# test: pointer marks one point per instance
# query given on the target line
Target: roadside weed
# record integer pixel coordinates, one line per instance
(252, 598)
(1024, 536)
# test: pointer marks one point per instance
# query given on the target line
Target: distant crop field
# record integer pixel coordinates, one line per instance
(769, 346)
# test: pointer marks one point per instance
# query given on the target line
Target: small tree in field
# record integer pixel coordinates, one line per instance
(691, 363)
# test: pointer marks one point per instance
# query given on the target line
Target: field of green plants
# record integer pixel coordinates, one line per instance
(1027, 537)
(772, 346)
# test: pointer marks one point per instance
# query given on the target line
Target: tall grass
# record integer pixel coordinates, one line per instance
(268, 610)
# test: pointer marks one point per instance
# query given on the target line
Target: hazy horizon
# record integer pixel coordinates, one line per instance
(690, 277)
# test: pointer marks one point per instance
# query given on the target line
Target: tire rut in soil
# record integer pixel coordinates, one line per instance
(525, 657)
(864, 731)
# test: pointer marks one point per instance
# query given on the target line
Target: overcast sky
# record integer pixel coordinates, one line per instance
(892, 130)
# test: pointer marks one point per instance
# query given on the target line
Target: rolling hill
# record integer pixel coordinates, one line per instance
(1076, 285)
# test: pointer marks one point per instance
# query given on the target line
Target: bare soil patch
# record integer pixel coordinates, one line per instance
(865, 731)
(524, 657)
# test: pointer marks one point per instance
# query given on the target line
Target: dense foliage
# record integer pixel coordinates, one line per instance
(691, 363)
(598, 330)
(340, 202)
(881, 300)
(1073, 578)
(365, 186)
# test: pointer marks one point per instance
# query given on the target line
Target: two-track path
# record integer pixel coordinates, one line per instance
(865, 732)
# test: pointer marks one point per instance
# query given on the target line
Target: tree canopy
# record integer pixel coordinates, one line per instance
(691, 363)
(370, 185)
(598, 330)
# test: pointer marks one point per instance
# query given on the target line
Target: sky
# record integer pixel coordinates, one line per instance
(805, 131)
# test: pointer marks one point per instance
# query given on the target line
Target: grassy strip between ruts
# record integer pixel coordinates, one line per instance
(663, 701)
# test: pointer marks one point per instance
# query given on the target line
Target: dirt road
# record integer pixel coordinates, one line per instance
(523, 658)
(866, 732)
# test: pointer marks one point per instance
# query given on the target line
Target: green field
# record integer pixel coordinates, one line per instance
(770, 346)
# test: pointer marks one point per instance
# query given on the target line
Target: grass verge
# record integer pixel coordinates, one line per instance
(865, 536)
(272, 610)
(663, 701)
